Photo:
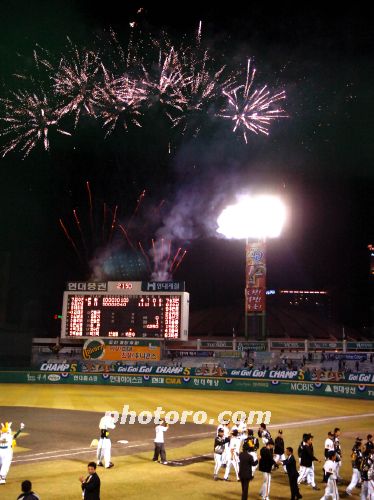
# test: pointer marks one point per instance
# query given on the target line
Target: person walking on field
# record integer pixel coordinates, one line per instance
(306, 463)
(246, 464)
(279, 455)
(266, 465)
(331, 490)
(290, 464)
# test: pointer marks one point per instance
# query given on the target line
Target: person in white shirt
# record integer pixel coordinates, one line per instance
(329, 443)
(160, 442)
(338, 451)
(331, 490)
(7, 441)
(329, 446)
(242, 427)
(233, 460)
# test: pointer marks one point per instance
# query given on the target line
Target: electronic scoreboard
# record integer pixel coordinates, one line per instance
(126, 309)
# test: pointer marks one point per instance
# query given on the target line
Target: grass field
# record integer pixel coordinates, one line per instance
(136, 476)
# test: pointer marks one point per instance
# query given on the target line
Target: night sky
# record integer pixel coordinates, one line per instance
(319, 159)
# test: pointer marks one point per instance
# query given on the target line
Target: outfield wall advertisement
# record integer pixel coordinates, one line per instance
(361, 386)
(209, 371)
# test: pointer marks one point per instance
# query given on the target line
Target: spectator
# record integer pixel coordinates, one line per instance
(27, 493)
(357, 366)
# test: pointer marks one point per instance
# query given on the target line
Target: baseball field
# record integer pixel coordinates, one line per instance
(61, 422)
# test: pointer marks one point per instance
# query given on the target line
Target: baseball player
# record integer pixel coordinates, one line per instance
(329, 446)
(7, 443)
(338, 451)
(299, 452)
(306, 463)
(266, 465)
(226, 433)
(356, 458)
(104, 447)
(279, 455)
(264, 434)
(233, 460)
(219, 450)
(249, 447)
(367, 476)
(242, 427)
(331, 489)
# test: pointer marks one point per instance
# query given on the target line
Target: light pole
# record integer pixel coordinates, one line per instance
(255, 219)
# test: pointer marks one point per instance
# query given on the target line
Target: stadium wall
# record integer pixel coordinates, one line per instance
(350, 390)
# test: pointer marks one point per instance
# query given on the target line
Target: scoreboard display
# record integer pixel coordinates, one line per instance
(126, 309)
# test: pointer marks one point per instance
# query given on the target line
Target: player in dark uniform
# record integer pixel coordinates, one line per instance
(264, 434)
(367, 465)
(356, 458)
(219, 450)
(279, 455)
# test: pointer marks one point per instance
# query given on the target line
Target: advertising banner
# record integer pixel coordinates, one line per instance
(255, 287)
(361, 346)
(181, 353)
(325, 345)
(216, 344)
(252, 346)
(348, 356)
(352, 390)
(208, 370)
(291, 344)
(121, 350)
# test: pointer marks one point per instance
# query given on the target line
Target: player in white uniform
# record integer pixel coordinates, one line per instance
(104, 446)
(7, 441)
(219, 450)
(331, 490)
(226, 434)
(329, 446)
(242, 428)
(338, 451)
(234, 449)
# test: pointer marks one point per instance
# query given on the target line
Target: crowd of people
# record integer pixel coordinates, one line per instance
(238, 448)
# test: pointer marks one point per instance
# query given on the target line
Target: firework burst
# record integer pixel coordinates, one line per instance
(28, 119)
(119, 87)
(255, 109)
(166, 86)
(119, 100)
(75, 81)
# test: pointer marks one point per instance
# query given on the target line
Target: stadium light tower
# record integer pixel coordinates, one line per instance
(255, 219)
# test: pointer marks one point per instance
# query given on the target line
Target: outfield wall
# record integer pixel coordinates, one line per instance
(350, 390)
